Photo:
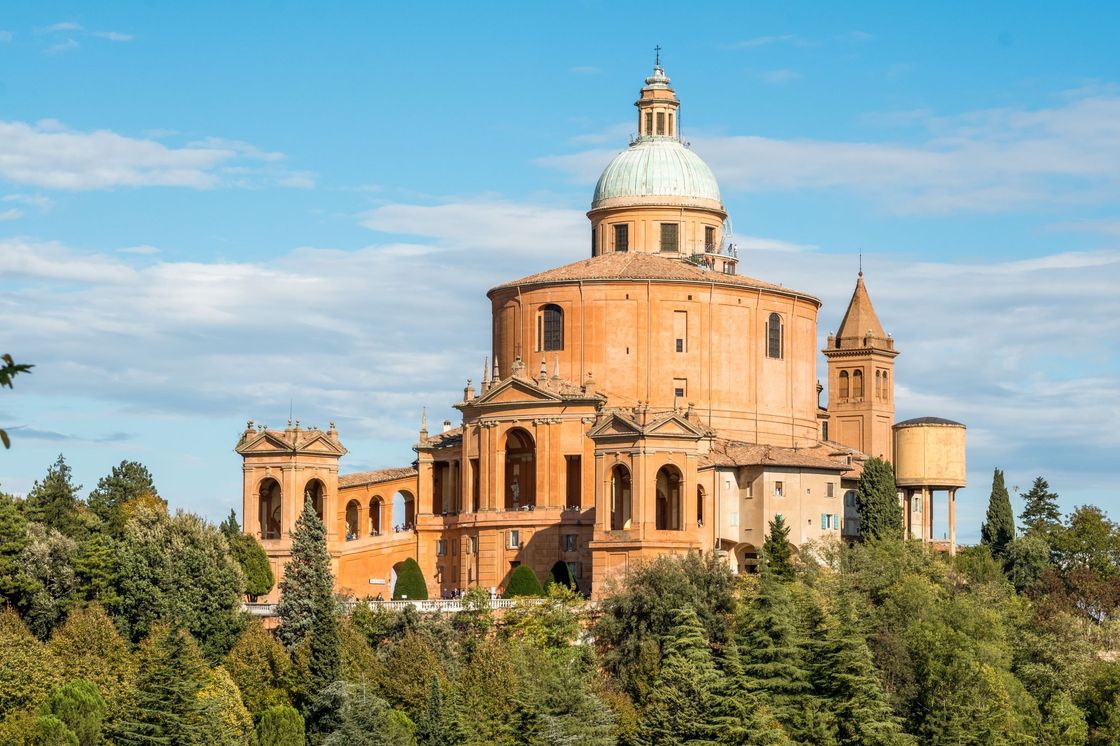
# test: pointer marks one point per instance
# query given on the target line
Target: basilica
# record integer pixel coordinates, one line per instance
(648, 399)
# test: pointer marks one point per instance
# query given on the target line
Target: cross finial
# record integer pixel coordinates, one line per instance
(657, 56)
(861, 264)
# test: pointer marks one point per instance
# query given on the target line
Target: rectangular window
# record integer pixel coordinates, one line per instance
(824, 431)
(622, 237)
(649, 123)
(830, 490)
(570, 542)
(709, 239)
(680, 387)
(594, 242)
(670, 237)
(468, 545)
(573, 569)
(750, 489)
(670, 125)
(733, 519)
(514, 539)
(778, 489)
(573, 483)
(661, 123)
(476, 489)
(680, 329)
(441, 547)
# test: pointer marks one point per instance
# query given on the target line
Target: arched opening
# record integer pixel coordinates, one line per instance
(668, 507)
(550, 328)
(699, 506)
(845, 384)
(622, 506)
(404, 511)
(375, 506)
(774, 336)
(878, 385)
(269, 508)
(746, 558)
(857, 384)
(886, 388)
(521, 471)
(313, 491)
(352, 520)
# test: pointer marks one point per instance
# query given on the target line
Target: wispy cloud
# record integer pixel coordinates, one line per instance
(57, 27)
(113, 36)
(6, 36)
(62, 46)
(858, 37)
(12, 213)
(765, 41)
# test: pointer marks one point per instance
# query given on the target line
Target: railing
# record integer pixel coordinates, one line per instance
(440, 605)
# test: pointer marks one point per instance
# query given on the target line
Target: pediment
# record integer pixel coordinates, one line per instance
(518, 390)
(312, 442)
(675, 425)
(616, 425)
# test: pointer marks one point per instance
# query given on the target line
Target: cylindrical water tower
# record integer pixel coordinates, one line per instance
(929, 455)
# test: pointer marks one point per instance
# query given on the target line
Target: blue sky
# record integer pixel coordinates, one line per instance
(212, 212)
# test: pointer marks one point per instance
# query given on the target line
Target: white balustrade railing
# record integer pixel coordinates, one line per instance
(440, 605)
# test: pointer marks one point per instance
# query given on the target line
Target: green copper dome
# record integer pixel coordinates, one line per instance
(657, 167)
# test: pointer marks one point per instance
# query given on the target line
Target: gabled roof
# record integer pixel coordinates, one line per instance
(641, 266)
(292, 440)
(664, 425)
(725, 452)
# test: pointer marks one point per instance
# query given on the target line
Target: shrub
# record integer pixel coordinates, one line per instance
(410, 582)
(523, 582)
(280, 725)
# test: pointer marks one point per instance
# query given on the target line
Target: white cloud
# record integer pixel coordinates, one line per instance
(31, 200)
(47, 154)
(12, 213)
(53, 261)
(142, 250)
(983, 161)
(62, 46)
(64, 26)
(113, 36)
(6, 36)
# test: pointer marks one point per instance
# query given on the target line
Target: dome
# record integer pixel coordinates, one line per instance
(657, 167)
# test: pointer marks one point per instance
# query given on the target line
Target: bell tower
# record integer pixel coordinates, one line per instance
(861, 379)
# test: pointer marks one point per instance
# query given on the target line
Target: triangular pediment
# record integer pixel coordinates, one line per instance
(615, 425)
(674, 425)
(312, 442)
(518, 390)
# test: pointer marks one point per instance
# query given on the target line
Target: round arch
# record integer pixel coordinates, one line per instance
(314, 491)
(269, 505)
(404, 511)
(668, 507)
(622, 501)
(521, 470)
(352, 520)
(375, 506)
(746, 558)
(699, 506)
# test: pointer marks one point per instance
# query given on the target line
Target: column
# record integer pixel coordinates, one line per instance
(952, 522)
(927, 503)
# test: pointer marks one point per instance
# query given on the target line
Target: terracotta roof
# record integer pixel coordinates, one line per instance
(376, 476)
(860, 320)
(444, 439)
(641, 266)
(738, 453)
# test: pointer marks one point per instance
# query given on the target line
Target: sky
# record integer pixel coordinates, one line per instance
(212, 212)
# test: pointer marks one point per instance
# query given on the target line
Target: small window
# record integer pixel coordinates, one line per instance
(733, 519)
(844, 384)
(778, 489)
(850, 498)
(573, 569)
(594, 242)
(570, 542)
(830, 490)
(774, 337)
(670, 237)
(649, 123)
(622, 237)
(661, 123)
(680, 387)
(878, 385)
(680, 345)
(468, 545)
(441, 547)
(857, 384)
(670, 125)
(514, 539)
(550, 328)
(824, 431)
(917, 503)
(680, 329)
(709, 239)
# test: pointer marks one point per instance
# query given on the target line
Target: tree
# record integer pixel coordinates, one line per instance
(437, 726)
(998, 529)
(227, 722)
(880, 515)
(16, 586)
(552, 623)
(523, 582)
(410, 582)
(28, 670)
(1040, 510)
(250, 555)
(280, 725)
(261, 668)
(1063, 723)
(96, 569)
(560, 575)
(682, 708)
(361, 718)
(9, 370)
(166, 707)
(1025, 559)
(80, 706)
(54, 501)
(50, 730)
(47, 561)
(124, 483)
(88, 646)
(307, 607)
(777, 551)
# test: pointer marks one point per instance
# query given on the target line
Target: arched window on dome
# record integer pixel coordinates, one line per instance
(774, 342)
(845, 389)
(857, 384)
(550, 328)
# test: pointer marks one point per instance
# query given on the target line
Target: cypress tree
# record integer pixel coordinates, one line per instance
(54, 501)
(777, 551)
(880, 515)
(560, 575)
(166, 707)
(307, 607)
(523, 582)
(1040, 513)
(410, 582)
(683, 706)
(999, 526)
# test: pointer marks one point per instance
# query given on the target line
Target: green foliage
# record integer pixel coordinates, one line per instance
(1040, 510)
(9, 370)
(410, 582)
(128, 481)
(51, 731)
(80, 706)
(523, 582)
(280, 725)
(436, 725)
(486, 711)
(260, 667)
(88, 646)
(1099, 698)
(683, 706)
(1025, 559)
(16, 587)
(250, 555)
(227, 722)
(880, 515)
(54, 501)
(165, 706)
(777, 552)
(47, 563)
(999, 526)
(401, 686)
(1063, 723)
(358, 717)
(553, 623)
(96, 569)
(28, 670)
(560, 575)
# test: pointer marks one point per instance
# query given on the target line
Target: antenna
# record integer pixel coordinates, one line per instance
(861, 264)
